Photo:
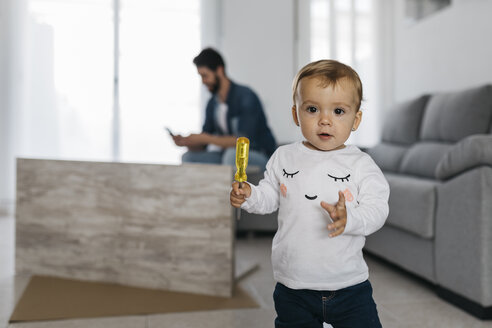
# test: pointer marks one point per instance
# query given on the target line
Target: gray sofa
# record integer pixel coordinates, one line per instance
(436, 152)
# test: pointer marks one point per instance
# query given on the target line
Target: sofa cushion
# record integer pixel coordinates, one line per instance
(412, 204)
(422, 159)
(467, 154)
(452, 116)
(387, 156)
(402, 123)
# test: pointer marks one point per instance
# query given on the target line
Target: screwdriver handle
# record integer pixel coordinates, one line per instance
(242, 154)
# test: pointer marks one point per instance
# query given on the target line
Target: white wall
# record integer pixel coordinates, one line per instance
(447, 51)
(258, 43)
(4, 104)
(10, 101)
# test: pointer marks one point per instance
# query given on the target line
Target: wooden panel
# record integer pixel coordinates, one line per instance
(154, 226)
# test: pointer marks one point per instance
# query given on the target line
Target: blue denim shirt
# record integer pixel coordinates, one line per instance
(245, 118)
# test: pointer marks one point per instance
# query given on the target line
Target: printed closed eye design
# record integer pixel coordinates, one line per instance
(289, 175)
(343, 179)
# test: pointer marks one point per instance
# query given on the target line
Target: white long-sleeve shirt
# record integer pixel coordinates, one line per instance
(296, 180)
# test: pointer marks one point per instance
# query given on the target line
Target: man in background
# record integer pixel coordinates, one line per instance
(232, 111)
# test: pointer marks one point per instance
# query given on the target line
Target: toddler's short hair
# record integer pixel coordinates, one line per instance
(331, 72)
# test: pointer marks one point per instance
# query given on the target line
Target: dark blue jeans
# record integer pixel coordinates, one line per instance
(349, 307)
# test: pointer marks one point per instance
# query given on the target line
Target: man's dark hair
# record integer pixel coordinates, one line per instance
(209, 58)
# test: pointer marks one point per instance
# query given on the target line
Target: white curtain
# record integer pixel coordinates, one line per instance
(58, 80)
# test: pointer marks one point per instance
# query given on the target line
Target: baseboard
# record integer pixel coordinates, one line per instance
(474, 308)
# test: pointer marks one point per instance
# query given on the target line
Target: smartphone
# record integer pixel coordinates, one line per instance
(169, 131)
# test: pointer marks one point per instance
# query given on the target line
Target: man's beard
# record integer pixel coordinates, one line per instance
(216, 86)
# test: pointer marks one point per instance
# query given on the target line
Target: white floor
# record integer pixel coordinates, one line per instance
(402, 300)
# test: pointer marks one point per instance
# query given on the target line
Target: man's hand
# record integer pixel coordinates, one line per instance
(239, 195)
(179, 140)
(193, 141)
(338, 214)
(199, 141)
(196, 140)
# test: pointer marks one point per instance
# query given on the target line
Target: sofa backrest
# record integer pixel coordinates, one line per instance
(402, 124)
(450, 117)
(419, 132)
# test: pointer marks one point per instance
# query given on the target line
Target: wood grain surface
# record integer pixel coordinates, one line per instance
(154, 226)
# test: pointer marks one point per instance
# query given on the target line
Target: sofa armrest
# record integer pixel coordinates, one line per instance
(468, 153)
(463, 230)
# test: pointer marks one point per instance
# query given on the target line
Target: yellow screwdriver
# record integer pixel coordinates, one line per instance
(242, 152)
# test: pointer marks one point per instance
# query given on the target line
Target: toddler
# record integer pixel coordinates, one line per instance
(329, 196)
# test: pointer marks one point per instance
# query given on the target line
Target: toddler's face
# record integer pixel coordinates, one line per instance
(326, 114)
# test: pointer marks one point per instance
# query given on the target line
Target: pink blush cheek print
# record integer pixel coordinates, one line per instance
(348, 195)
(283, 190)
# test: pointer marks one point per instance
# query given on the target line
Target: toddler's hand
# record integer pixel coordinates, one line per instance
(239, 195)
(338, 214)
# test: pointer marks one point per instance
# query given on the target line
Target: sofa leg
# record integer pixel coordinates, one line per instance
(474, 308)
